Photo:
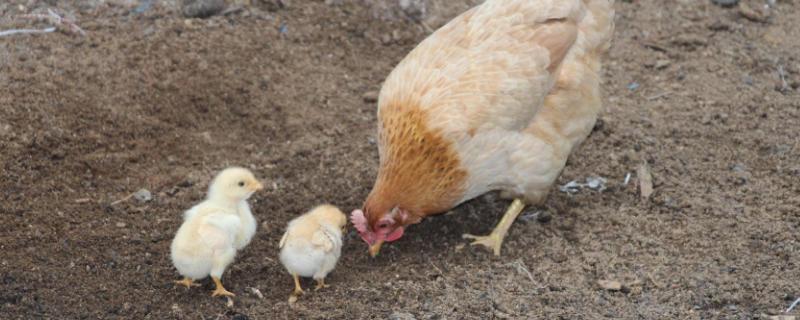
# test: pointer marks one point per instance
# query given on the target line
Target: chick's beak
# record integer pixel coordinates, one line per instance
(375, 248)
(257, 186)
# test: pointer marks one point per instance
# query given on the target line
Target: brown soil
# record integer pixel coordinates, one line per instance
(151, 100)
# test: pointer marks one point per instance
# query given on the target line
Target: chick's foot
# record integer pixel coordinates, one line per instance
(186, 282)
(321, 284)
(220, 290)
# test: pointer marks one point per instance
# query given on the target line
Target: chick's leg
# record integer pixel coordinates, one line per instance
(495, 239)
(297, 289)
(221, 261)
(187, 282)
(321, 284)
(220, 290)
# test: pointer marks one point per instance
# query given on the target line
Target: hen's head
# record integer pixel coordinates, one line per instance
(377, 227)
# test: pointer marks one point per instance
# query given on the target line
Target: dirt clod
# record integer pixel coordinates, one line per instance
(610, 285)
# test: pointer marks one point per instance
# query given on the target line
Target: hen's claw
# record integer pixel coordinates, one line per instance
(492, 241)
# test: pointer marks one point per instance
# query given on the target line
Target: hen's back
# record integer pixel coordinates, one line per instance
(490, 67)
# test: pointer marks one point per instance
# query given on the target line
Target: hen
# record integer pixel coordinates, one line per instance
(496, 99)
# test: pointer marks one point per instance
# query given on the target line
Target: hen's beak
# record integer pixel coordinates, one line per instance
(375, 248)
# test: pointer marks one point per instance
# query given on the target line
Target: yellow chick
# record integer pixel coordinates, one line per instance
(312, 245)
(215, 229)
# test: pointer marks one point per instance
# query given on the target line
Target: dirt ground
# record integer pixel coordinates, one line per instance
(706, 95)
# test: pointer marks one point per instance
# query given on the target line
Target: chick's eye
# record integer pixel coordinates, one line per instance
(241, 183)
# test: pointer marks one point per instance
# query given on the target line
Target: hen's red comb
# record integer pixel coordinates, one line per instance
(359, 220)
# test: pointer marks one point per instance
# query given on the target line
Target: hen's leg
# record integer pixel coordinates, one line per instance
(495, 239)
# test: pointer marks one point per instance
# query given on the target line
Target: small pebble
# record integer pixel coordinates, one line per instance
(202, 8)
(755, 14)
(544, 217)
(610, 285)
(370, 96)
(725, 3)
(401, 316)
(661, 64)
(143, 195)
(121, 225)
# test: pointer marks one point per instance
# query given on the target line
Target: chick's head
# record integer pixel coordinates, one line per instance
(234, 184)
(331, 215)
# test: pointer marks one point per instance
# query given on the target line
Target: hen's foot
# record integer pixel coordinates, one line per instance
(492, 241)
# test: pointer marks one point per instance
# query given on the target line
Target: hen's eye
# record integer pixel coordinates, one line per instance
(241, 183)
(383, 225)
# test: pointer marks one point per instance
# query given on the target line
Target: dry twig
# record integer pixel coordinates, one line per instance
(23, 31)
(645, 180)
(791, 307)
(57, 20)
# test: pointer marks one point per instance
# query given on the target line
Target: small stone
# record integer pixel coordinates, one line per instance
(661, 64)
(186, 183)
(610, 285)
(725, 3)
(754, 14)
(121, 225)
(782, 317)
(402, 316)
(414, 9)
(386, 39)
(202, 8)
(690, 41)
(143, 195)
(240, 316)
(370, 96)
(544, 217)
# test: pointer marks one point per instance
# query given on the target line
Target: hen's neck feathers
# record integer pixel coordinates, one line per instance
(420, 170)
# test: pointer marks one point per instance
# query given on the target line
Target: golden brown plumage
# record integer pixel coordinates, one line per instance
(496, 99)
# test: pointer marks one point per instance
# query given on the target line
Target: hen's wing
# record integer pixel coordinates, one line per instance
(490, 67)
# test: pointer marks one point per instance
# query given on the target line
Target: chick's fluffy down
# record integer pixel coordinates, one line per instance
(204, 244)
(312, 243)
